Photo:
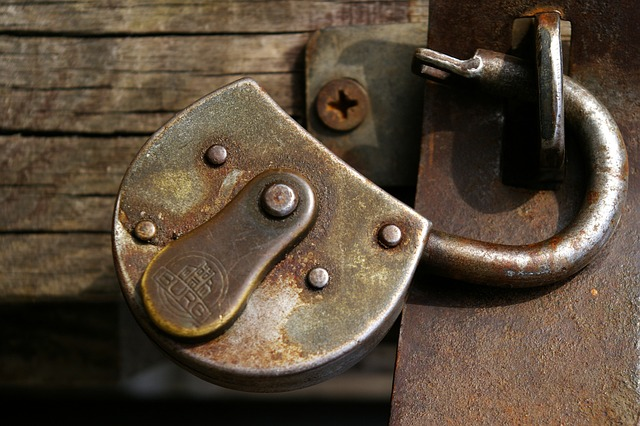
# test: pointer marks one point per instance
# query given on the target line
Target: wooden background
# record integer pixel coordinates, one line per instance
(83, 84)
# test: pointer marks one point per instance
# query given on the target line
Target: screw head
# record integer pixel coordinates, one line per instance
(342, 104)
(216, 155)
(279, 200)
(318, 278)
(389, 236)
(145, 230)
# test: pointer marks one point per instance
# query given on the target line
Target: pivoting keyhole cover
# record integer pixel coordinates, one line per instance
(196, 286)
(232, 196)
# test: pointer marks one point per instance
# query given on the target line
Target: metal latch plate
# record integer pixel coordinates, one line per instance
(383, 146)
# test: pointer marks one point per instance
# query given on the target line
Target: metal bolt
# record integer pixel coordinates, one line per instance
(279, 200)
(216, 155)
(145, 230)
(342, 104)
(389, 236)
(318, 278)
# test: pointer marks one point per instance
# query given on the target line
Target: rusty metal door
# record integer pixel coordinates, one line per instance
(565, 354)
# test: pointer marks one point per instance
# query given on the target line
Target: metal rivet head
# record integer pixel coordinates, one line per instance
(216, 155)
(389, 236)
(145, 230)
(318, 278)
(279, 200)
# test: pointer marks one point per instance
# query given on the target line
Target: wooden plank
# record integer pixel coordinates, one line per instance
(51, 211)
(134, 85)
(73, 165)
(67, 266)
(222, 16)
(61, 184)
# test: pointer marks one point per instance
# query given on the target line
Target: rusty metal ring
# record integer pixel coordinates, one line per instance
(567, 252)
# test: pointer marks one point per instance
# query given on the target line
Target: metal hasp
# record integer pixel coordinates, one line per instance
(566, 353)
(235, 219)
(363, 102)
(567, 252)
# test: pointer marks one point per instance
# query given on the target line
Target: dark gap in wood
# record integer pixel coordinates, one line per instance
(28, 185)
(56, 133)
(248, 74)
(57, 89)
(71, 34)
(88, 195)
(52, 232)
(133, 111)
(58, 193)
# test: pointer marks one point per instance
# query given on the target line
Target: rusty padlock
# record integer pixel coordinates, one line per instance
(260, 261)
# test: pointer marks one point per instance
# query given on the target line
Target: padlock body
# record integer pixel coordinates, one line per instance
(290, 334)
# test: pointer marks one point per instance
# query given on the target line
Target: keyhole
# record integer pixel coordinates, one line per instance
(343, 103)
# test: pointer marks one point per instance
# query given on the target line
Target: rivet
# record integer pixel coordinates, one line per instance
(389, 236)
(216, 155)
(145, 230)
(318, 278)
(279, 200)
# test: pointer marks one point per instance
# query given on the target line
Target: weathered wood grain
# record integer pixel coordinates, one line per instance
(134, 85)
(72, 165)
(61, 184)
(222, 16)
(52, 190)
(66, 266)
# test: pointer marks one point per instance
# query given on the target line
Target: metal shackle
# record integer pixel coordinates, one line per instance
(559, 257)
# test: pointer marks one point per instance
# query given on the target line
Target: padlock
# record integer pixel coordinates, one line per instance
(248, 286)
(260, 261)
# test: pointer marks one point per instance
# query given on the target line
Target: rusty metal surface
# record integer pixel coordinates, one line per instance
(384, 146)
(290, 335)
(565, 354)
